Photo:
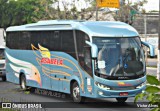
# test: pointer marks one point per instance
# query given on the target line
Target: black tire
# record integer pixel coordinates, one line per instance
(4, 78)
(23, 82)
(152, 56)
(75, 93)
(121, 100)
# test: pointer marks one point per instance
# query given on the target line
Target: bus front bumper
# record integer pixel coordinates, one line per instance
(100, 93)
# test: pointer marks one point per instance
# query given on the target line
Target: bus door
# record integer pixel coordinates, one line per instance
(88, 69)
(85, 60)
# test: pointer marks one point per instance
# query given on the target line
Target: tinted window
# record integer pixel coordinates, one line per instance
(68, 42)
(53, 40)
(23, 40)
(41, 37)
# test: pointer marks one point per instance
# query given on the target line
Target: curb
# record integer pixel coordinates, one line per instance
(151, 67)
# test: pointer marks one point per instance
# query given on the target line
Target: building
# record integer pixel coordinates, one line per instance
(2, 40)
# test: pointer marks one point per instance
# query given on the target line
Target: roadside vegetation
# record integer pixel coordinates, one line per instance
(152, 92)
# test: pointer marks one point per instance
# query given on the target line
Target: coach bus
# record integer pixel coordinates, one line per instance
(95, 59)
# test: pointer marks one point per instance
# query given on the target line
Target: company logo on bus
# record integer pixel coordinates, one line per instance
(123, 84)
(52, 61)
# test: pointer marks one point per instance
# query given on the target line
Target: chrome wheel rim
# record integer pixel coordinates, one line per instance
(23, 84)
(76, 92)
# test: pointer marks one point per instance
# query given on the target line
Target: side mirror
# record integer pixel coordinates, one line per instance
(94, 49)
(151, 48)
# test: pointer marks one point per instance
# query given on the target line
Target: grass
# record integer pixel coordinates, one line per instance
(2, 109)
(151, 66)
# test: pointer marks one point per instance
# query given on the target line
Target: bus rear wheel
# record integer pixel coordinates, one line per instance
(4, 78)
(76, 93)
(23, 82)
(122, 100)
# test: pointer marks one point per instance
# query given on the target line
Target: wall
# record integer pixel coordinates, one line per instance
(152, 21)
(2, 42)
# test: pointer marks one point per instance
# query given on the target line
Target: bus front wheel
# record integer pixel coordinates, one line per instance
(76, 93)
(23, 82)
(123, 99)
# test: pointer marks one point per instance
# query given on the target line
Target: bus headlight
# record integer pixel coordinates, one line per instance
(102, 86)
(141, 85)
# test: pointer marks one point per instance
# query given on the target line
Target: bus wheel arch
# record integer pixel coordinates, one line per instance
(22, 81)
(75, 91)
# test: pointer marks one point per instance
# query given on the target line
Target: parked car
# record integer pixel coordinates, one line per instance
(2, 63)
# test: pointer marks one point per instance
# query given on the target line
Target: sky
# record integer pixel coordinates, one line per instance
(80, 4)
(152, 5)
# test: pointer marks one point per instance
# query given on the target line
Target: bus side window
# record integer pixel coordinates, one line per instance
(67, 42)
(55, 41)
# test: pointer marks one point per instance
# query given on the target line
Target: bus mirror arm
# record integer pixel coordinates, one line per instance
(94, 49)
(151, 48)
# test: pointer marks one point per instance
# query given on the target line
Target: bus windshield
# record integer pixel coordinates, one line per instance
(119, 56)
(2, 54)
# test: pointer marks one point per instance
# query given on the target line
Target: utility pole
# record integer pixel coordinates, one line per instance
(96, 13)
(145, 35)
(158, 63)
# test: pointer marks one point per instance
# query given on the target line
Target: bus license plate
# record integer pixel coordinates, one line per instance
(123, 94)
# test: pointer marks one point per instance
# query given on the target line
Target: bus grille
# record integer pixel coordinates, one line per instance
(124, 88)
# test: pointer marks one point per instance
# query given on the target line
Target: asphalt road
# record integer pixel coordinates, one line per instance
(12, 93)
(152, 62)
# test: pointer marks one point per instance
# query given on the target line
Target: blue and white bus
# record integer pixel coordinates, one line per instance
(95, 59)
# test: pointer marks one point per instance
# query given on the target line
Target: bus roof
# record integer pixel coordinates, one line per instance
(92, 28)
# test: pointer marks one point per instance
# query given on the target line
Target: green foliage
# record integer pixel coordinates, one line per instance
(27, 92)
(152, 89)
(152, 92)
(152, 80)
(139, 96)
(17, 12)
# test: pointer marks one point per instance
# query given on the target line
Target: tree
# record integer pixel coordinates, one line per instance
(128, 10)
(4, 13)
(17, 12)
